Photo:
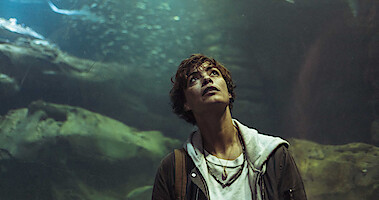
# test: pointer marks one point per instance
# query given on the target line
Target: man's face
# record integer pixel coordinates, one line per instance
(205, 88)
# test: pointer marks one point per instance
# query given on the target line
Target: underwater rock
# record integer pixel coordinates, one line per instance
(8, 86)
(42, 71)
(52, 151)
(138, 192)
(338, 172)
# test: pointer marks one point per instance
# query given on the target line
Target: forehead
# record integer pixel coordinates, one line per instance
(199, 68)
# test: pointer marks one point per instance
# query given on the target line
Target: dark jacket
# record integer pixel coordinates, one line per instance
(275, 175)
(282, 180)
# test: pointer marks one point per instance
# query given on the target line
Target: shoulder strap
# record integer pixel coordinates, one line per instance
(180, 174)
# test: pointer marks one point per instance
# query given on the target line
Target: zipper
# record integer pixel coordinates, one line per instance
(262, 188)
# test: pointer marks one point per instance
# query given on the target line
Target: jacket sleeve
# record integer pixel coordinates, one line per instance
(282, 179)
(164, 180)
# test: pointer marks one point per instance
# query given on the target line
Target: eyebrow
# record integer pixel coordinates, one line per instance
(196, 72)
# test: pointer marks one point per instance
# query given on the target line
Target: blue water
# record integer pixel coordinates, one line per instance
(270, 42)
(38, 16)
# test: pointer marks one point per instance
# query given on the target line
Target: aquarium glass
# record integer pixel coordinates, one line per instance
(85, 111)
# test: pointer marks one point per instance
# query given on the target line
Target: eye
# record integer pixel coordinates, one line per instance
(215, 73)
(193, 79)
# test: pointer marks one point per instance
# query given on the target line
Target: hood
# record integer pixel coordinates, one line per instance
(258, 146)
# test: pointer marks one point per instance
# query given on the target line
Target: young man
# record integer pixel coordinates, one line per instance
(223, 159)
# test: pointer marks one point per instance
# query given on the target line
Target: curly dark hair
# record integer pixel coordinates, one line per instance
(177, 96)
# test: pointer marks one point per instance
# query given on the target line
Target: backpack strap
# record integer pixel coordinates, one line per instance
(180, 174)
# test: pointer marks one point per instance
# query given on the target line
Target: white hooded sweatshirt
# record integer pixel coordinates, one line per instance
(258, 148)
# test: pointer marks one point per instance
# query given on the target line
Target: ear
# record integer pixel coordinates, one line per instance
(230, 95)
(186, 107)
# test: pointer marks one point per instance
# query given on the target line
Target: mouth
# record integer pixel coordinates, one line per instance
(208, 89)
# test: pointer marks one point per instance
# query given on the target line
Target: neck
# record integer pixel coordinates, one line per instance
(219, 134)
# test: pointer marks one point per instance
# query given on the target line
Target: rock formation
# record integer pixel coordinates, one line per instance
(51, 151)
(338, 172)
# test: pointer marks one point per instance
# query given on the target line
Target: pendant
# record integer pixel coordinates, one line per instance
(224, 175)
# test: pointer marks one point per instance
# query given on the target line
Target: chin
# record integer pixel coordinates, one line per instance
(217, 104)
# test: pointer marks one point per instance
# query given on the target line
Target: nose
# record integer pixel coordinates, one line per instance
(206, 79)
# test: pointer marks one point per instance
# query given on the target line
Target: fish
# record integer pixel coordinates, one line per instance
(67, 12)
(83, 14)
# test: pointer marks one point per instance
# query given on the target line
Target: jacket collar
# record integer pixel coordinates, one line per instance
(258, 146)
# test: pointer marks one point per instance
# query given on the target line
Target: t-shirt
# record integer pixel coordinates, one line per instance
(239, 189)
